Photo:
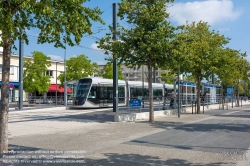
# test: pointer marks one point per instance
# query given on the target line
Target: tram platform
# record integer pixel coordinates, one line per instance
(102, 114)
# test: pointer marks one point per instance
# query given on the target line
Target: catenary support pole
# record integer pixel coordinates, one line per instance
(65, 83)
(115, 72)
(56, 83)
(20, 74)
(142, 86)
(179, 97)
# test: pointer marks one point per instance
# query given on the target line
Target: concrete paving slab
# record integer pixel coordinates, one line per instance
(111, 143)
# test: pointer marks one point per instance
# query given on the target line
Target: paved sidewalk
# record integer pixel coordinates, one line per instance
(111, 143)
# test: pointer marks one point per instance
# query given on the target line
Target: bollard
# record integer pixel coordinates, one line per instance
(195, 107)
(159, 103)
(232, 102)
(192, 107)
(203, 106)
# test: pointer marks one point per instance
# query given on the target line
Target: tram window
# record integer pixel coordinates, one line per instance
(157, 92)
(110, 92)
(92, 93)
(83, 87)
(121, 92)
(103, 92)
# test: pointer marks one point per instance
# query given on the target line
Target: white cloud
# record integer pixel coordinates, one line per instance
(94, 46)
(56, 57)
(211, 11)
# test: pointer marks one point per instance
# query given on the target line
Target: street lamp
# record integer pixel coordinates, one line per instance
(179, 97)
(56, 83)
(65, 86)
(20, 74)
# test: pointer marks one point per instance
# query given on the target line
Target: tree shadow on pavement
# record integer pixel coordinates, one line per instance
(108, 159)
(163, 124)
(242, 114)
(215, 127)
(234, 116)
(204, 127)
(142, 160)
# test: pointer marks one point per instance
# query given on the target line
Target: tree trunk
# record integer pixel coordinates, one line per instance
(4, 107)
(198, 95)
(150, 89)
(238, 97)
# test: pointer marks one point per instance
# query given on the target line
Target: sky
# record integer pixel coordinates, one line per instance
(229, 17)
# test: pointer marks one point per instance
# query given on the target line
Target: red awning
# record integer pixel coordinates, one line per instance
(52, 88)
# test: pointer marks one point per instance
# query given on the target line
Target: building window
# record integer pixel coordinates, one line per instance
(0, 68)
(49, 73)
(11, 69)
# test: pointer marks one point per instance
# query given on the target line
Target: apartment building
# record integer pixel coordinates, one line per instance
(56, 68)
(137, 74)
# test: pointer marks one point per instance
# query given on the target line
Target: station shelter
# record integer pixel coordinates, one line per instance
(187, 92)
(213, 93)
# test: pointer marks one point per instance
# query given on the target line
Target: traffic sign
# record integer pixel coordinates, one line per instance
(11, 86)
(135, 103)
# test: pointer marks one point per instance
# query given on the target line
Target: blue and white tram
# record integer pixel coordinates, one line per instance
(97, 92)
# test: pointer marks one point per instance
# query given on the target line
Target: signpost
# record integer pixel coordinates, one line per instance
(135, 103)
(11, 88)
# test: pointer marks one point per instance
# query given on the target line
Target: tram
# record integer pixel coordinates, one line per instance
(94, 92)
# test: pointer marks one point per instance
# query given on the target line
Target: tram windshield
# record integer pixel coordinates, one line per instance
(83, 87)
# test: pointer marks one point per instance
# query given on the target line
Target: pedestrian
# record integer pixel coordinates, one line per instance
(173, 96)
(203, 96)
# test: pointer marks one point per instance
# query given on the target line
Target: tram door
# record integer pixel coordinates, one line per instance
(103, 96)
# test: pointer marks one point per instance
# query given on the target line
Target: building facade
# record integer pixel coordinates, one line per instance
(137, 74)
(56, 68)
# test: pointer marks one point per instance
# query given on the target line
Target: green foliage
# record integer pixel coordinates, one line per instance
(58, 21)
(168, 77)
(233, 68)
(78, 67)
(146, 40)
(189, 78)
(108, 71)
(197, 51)
(35, 78)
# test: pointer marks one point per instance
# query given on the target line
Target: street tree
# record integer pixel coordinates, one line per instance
(58, 22)
(228, 71)
(197, 47)
(188, 77)
(108, 71)
(242, 65)
(232, 68)
(145, 40)
(78, 67)
(35, 78)
(168, 77)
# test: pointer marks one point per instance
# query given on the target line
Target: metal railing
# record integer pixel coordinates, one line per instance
(159, 102)
(38, 101)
